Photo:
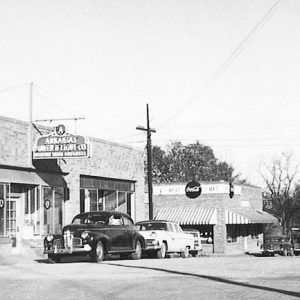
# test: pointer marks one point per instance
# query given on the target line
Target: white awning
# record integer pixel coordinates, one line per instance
(248, 216)
(195, 216)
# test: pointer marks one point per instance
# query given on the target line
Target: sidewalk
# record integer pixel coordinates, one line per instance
(12, 255)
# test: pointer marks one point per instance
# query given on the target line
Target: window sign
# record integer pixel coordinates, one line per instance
(60, 144)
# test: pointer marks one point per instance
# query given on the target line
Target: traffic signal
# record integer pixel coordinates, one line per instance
(231, 190)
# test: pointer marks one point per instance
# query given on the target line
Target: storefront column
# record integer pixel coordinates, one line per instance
(220, 232)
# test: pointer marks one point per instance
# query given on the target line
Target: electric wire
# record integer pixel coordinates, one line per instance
(14, 87)
(228, 61)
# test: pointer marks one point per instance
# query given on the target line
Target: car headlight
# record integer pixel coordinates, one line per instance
(84, 235)
(49, 238)
(153, 235)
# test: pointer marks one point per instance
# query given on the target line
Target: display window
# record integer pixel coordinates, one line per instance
(107, 194)
(97, 200)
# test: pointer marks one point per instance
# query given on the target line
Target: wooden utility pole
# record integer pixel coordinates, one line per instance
(149, 162)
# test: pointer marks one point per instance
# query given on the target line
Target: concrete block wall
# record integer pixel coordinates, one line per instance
(108, 159)
(14, 142)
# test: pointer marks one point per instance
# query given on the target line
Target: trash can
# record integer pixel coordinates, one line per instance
(14, 241)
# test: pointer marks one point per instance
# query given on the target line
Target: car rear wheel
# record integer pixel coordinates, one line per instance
(137, 254)
(97, 254)
(185, 253)
(55, 258)
(163, 251)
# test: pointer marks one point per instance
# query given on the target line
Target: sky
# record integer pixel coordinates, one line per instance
(224, 73)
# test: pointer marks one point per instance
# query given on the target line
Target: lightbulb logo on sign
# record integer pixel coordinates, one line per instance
(193, 189)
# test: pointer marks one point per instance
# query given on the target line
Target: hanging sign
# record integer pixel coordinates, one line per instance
(1, 203)
(60, 144)
(193, 189)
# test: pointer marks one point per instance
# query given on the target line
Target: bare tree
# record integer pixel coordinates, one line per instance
(281, 198)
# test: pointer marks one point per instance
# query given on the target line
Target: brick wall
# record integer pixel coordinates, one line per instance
(245, 196)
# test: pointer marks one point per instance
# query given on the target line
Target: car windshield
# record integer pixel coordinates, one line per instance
(99, 219)
(152, 226)
(80, 220)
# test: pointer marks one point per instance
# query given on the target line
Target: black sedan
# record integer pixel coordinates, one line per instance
(96, 234)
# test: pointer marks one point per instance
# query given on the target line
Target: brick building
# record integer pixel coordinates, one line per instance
(227, 225)
(39, 196)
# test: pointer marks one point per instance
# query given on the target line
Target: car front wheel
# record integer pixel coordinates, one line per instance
(97, 254)
(163, 251)
(54, 258)
(185, 253)
(137, 254)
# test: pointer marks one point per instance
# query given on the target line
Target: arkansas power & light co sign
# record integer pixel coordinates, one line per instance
(60, 144)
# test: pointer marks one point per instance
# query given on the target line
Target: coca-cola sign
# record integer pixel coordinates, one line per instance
(193, 189)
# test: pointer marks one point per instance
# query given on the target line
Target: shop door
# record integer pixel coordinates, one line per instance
(13, 214)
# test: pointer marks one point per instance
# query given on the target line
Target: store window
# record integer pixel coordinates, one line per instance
(98, 194)
(32, 216)
(232, 233)
(97, 200)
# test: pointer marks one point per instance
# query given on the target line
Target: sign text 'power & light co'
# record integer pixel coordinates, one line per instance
(60, 144)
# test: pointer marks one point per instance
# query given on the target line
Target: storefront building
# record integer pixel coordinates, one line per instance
(227, 224)
(47, 177)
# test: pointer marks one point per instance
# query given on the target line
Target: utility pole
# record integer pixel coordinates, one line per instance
(30, 125)
(149, 162)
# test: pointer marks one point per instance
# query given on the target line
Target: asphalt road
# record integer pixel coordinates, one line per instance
(223, 277)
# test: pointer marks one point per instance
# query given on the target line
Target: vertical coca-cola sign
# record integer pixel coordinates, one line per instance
(193, 189)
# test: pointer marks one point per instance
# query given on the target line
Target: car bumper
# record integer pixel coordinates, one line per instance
(152, 245)
(56, 250)
(152, 248)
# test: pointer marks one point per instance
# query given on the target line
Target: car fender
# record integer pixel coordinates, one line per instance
(94, 237)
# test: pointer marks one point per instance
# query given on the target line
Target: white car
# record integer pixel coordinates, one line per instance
(197, 247)
(163, 237)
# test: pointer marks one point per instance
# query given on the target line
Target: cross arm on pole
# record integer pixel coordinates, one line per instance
(145, 129)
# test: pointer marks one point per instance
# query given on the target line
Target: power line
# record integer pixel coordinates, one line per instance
(228, 61)
(14, 87)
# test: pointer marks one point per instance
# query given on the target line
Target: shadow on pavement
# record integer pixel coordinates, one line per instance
(217, 279)
(75, 259)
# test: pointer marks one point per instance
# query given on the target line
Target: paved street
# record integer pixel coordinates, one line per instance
(232, 277)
